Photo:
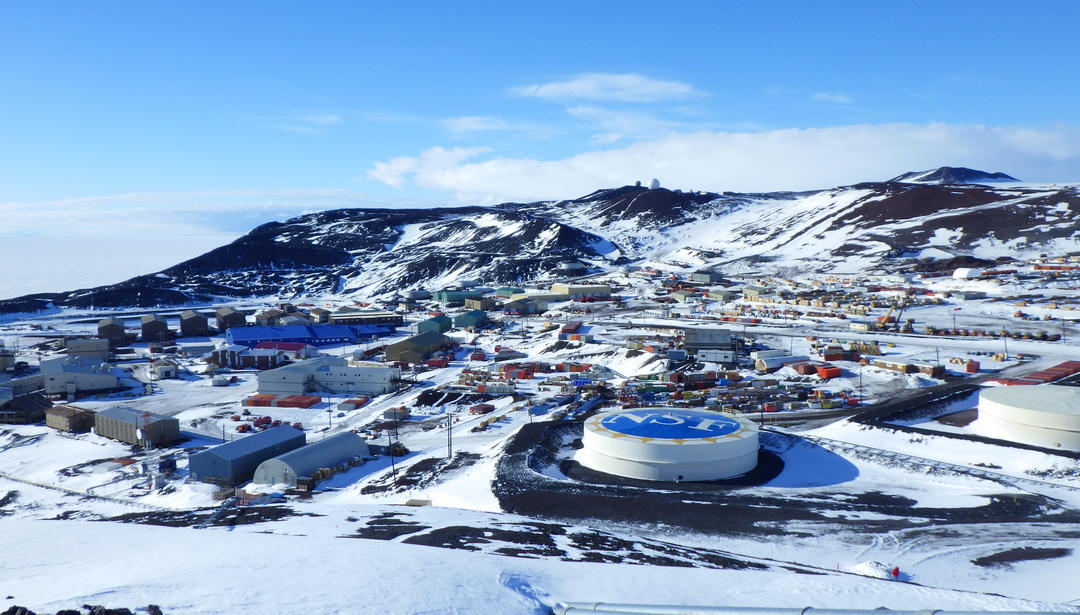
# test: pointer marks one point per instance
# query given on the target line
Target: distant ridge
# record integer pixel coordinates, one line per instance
(377, 254)
(953, 175)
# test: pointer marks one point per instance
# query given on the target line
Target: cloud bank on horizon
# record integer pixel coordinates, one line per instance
(746, 161)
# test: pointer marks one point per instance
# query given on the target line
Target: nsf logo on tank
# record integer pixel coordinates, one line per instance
(670, 424)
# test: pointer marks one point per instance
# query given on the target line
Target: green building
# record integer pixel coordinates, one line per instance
(438, 324)
(470, 319)
(453, 296)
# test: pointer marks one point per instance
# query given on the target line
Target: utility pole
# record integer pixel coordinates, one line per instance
(390, 450)
(449, 434)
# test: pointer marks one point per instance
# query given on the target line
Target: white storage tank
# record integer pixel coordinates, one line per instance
(669, 444)
(1046, 415)
(966, 273)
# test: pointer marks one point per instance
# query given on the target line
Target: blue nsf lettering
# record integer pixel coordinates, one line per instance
(660, 424)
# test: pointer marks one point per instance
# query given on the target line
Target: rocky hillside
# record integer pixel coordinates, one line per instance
(953, 175)
(372, 253)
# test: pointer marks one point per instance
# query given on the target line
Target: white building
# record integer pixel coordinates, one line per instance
(334, 375)
(706, 338)
(91, 348)
(73, 375)
(577, 291)
(966, 273)
(164, 368)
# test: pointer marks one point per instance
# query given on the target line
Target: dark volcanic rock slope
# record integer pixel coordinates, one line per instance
(371, 253)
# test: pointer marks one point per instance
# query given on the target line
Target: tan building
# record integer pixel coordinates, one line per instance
(112, 329)
(227, 318)
(88, 348)
(154, 328)
(480, 303)
(69, 418)
(577, 291)
(136, 426)
(194, 324)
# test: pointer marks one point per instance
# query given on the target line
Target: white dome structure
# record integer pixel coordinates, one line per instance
(669, 444)
(1044, 415)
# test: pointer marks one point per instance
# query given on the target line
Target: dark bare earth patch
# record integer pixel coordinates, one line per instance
(1022, 554)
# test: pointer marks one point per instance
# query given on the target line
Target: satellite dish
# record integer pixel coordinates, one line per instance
(138, 434)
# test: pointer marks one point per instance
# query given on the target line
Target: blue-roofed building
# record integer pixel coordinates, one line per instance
(230, 464)
(366, 331)
(316, 335)
(332, 334)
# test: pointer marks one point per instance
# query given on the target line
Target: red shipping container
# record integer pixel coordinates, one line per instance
(972, 367)
(829, 372)
(438, 363)
(298, 401)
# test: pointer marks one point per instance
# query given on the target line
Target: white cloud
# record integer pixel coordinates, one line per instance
(626, 87)
(469, 124)
(309, 123)
(430, 163)
(618, 125)
(832, 97)
(790, 159)
(321, 119)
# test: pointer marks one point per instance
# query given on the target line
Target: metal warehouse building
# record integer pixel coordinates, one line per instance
(233, 463)
(306, 460)
(136, 426)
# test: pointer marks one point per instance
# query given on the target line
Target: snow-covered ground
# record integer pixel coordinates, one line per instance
(971, 525)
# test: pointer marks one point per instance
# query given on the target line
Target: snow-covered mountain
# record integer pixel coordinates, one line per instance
(953, 175)
(372, 253)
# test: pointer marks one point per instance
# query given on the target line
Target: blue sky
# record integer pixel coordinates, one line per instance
(214, 116)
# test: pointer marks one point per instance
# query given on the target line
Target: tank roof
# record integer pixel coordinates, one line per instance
(1053, 398)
